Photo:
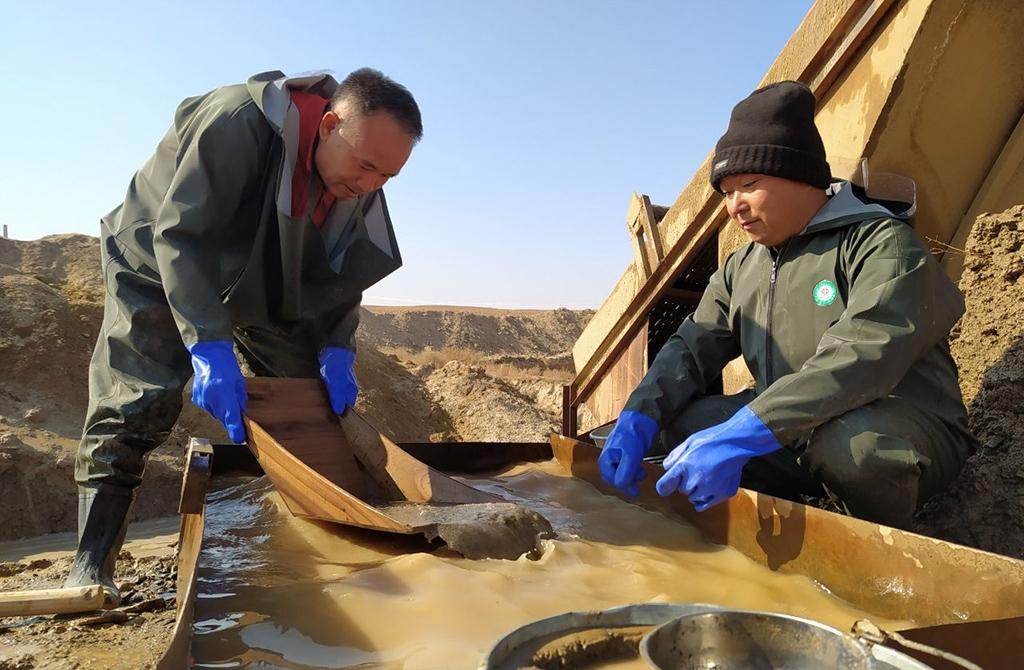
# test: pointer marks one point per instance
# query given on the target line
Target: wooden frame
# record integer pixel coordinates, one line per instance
(821, 70)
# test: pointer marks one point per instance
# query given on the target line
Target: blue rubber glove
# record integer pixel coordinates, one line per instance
(621, 460)
(707, 466)
(336, 369)
(219, 387)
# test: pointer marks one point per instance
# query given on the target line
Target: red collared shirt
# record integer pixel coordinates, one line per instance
(311, 110)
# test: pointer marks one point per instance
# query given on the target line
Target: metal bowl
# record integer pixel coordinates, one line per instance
(737, 639)
(516, 649)
(600, 434)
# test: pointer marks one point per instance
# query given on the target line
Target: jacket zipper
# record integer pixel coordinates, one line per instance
(771, 304)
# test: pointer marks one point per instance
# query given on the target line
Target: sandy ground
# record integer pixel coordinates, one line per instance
(130, 637)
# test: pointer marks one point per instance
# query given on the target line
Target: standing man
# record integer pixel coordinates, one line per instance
(841, 314)
(258, 222)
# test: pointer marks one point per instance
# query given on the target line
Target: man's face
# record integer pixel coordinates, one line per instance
(357, 153)
(770, 210)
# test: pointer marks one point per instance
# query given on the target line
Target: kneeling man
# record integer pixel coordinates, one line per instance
(842, 316)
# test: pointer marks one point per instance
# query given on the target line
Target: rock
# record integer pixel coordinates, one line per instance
(35, 415)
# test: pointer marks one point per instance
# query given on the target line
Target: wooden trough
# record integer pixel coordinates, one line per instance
(966, 601)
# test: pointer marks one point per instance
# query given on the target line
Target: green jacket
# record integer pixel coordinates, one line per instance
(209, 216)
(852, 309)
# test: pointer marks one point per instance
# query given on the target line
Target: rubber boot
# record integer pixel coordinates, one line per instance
(102, 524)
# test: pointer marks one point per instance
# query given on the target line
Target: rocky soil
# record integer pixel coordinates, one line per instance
(129, 637)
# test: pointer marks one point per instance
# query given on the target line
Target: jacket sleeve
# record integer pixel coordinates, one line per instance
(693, 357)
(900, 303)
(343, 334)
(217, 160)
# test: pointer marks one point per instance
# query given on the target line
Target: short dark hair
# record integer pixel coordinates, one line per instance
(372, 91)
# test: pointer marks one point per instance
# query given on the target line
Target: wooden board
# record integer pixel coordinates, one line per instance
(54, 601)
(338, 468)
(308, 493)
(298, 415)
(891, 573)
(394, 469)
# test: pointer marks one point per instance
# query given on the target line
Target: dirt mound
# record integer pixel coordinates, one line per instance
(51, 307)
(535, 333)
(484, 408)
(985, 507)
(396, 400)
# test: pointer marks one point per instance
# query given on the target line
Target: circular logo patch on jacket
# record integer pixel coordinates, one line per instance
(825, 293)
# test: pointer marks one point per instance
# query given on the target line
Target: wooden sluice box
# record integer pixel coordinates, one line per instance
(967, 601)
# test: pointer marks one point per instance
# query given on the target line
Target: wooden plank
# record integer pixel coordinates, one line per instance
(570, 413)
(635, 315)
(190, 539)
(299, 417)
(610, 394)
(651, 232)
(198, 465)
(644, 235)
(395, 469)
(888, 572)
(308, 493)
(54, 601)
(820, 76)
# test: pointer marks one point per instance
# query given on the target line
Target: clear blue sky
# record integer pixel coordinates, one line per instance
(541, 118)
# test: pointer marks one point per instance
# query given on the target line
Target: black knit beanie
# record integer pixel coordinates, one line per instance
(772, 132)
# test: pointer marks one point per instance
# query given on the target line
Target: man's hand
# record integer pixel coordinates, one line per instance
(336, 369)
(621, 460)
(707, 466)
(218, 386)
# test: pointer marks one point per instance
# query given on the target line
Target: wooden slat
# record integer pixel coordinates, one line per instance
(651, 232)
(853, 31)
(635, 316)
(570, 413)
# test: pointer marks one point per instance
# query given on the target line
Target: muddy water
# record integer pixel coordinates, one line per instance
(282, 592)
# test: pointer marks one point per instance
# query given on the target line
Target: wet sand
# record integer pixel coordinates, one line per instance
(291, 593)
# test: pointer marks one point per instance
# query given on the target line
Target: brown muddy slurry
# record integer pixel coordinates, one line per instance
(284, 592)
(592, 648)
